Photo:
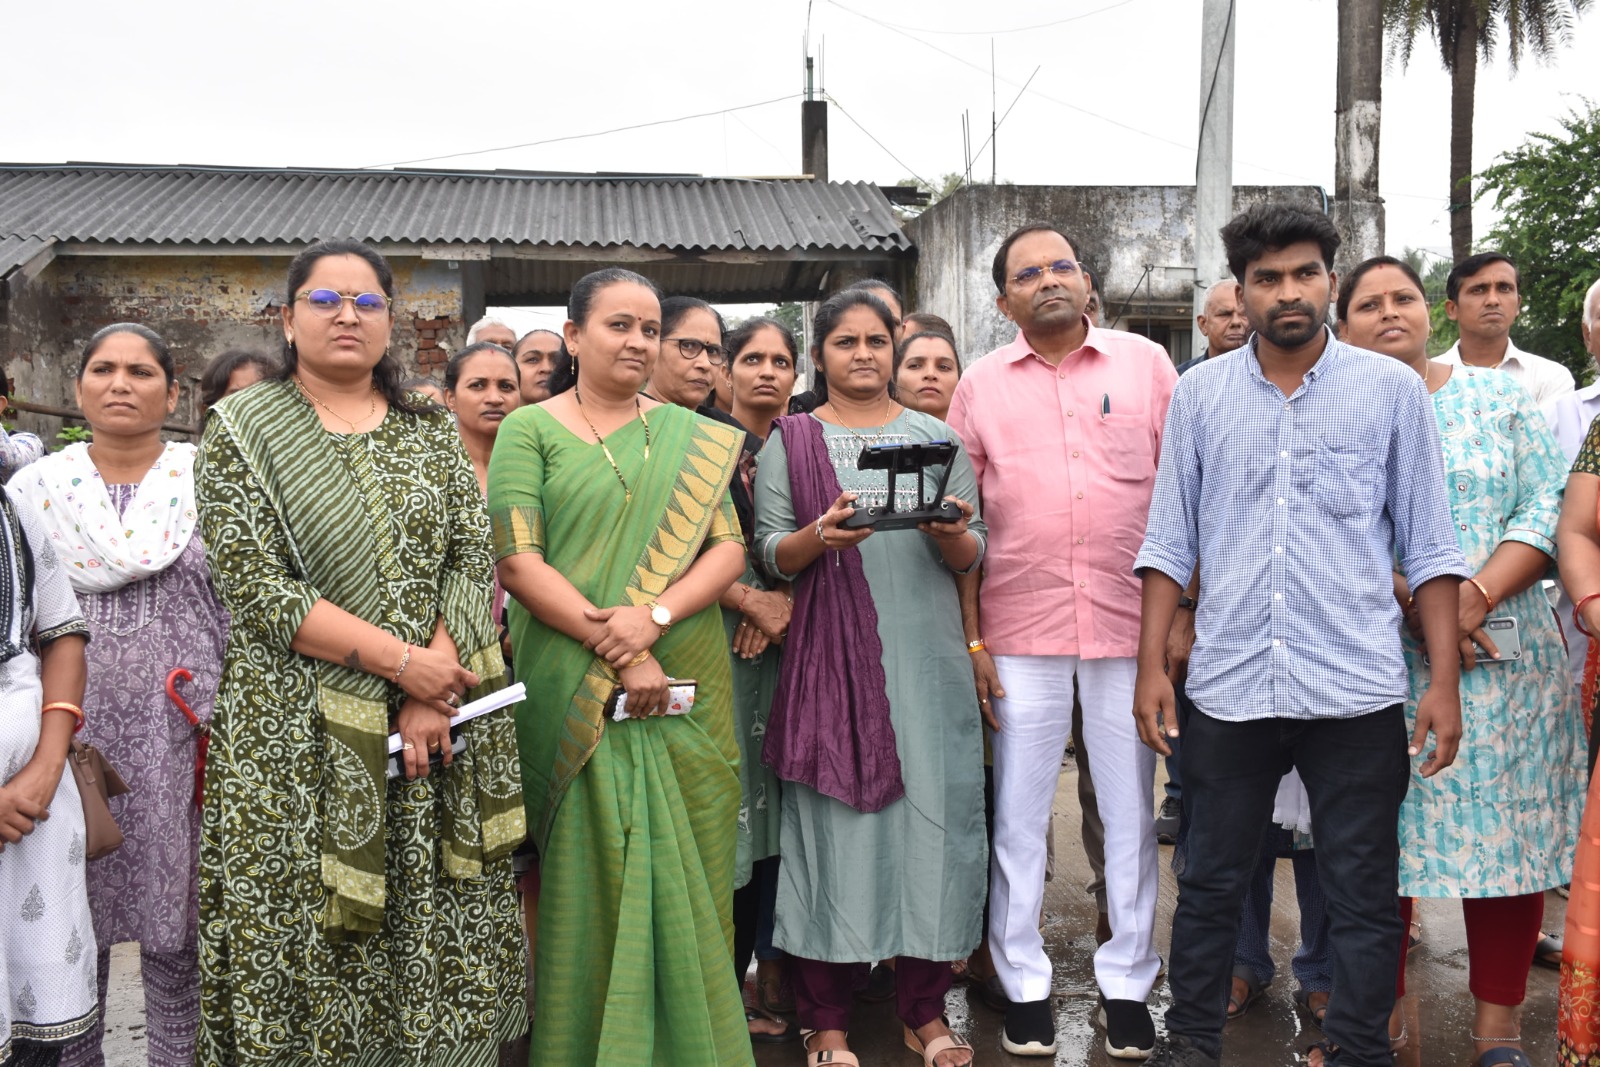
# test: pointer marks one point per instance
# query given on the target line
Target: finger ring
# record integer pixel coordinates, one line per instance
(452, 700)
(983, 700)
(408, 746)
(435, 747)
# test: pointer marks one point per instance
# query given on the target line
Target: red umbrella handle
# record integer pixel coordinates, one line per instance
(202, 730)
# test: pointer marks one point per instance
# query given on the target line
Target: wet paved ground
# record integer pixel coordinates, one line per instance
(1438, 1009)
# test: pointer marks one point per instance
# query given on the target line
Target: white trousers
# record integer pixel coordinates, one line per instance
(1035, 721)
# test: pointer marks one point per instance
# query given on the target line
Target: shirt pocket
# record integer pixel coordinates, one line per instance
(1346, 478)
(1126, 447)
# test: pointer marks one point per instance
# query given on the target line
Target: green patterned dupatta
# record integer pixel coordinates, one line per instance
(335, 514)
(556, 495)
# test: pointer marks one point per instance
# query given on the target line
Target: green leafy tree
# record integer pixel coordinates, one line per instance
(946, 185)
(1546, 193)
(1434, 271)
(1464, 31)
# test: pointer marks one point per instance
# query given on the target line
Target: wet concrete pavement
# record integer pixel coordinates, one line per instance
(1438, 1007)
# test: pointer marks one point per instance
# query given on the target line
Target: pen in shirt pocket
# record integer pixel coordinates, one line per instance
(1105, 406)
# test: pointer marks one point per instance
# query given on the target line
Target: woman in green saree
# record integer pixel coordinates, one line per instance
(615, 536)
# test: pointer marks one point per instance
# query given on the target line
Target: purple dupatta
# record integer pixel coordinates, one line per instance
(829, 727)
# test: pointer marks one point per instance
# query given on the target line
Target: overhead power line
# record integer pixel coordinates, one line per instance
(583, 136)
(906, 166)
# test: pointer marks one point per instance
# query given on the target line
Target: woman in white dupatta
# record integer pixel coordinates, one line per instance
(120, 513)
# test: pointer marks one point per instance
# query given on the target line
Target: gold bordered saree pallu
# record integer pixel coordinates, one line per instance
(336, 516)
(627, 560)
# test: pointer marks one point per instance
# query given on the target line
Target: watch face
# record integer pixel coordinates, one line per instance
(660, 615)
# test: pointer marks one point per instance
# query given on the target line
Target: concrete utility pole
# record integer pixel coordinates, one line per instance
(813, 131)
(1213, 172)
(1357, 207)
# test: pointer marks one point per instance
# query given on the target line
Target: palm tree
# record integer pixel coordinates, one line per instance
(1464, 30)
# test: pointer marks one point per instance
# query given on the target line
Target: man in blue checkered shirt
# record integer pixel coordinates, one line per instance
(1302, 474)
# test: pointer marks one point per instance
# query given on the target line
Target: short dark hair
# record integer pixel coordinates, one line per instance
(388, 374)
(158, 347)
(827, 319)
(674, 308)
(1271, 227)
(583, 293)
(214, 382)
(1020, 232)
(452, 369)
(928, 322)
(1347, 284)
(878, 285)
(1471, 266)
(742, 334)
(923, 335)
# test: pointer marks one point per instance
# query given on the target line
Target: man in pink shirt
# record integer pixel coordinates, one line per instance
(1064, 428)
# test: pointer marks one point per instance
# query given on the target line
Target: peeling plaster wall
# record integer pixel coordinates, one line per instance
(202, 305)
(1117, 230)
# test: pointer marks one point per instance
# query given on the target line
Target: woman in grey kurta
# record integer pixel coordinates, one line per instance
(901, 875)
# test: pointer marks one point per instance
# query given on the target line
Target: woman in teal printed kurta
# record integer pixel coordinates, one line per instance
(1498, 827)
(871, 877)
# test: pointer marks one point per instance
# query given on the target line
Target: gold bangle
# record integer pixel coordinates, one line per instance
(64, 705)
(976, 646)
(1487, 599)
(640, 658)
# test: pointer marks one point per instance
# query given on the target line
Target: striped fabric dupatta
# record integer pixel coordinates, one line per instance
(333, 512)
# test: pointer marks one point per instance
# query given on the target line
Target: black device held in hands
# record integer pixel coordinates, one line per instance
(397, 760)
(916, 456)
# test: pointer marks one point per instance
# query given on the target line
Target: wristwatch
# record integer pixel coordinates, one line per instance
(661, 616)
(1187, 602)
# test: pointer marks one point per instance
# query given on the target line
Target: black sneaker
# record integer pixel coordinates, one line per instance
(1176, 1051)
(1130, 1032)
(1167, 819)
(1030, 1029)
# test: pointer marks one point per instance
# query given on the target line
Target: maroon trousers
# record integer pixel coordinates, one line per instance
(1501, 935)
(825, 992)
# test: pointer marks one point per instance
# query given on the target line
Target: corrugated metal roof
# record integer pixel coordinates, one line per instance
(116, 204)
(15, 250)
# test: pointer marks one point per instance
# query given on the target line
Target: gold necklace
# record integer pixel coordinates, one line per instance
(627, 494)
(889, 417)
(371, 410)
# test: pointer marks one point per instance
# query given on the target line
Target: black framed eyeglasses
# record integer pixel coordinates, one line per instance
(328, 302)
(690, 348)
(1061, 268)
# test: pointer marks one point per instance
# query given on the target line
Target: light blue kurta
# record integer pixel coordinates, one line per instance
(908, 880)
(1503, 819)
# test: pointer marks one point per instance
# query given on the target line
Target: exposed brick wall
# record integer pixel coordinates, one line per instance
(202, 305)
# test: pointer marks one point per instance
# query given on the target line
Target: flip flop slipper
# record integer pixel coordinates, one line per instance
(1414, 936)
(789, 1032)
(1302, 1000)
(1252, 992)
(1547, 953)
(775, 996)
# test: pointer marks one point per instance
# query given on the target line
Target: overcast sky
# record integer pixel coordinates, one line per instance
(1115, 99)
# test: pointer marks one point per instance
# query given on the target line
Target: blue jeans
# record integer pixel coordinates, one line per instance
(1356, 772)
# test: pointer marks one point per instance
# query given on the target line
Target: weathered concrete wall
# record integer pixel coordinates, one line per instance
(202, 305)
(1118, 230)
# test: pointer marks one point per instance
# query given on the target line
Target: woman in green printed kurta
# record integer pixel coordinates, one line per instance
(345, 918)
(615, 535)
